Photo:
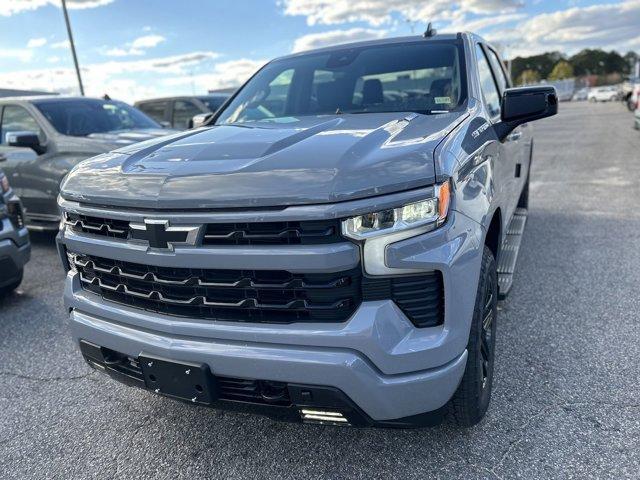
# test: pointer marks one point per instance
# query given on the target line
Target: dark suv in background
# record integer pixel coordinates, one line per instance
(56, 133)
(15, 249)
(178, 112)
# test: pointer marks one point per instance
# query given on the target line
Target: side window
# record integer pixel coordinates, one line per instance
(17, 119)
(498, 69)
(183, 112)
(154, 109)
(488, 84)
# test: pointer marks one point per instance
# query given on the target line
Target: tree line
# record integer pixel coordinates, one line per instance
(557, 66)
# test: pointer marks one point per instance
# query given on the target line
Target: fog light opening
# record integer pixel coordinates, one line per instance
(323, 416)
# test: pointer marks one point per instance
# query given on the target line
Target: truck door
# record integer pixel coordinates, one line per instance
(508, 150)
(27, 173)
(521, 136)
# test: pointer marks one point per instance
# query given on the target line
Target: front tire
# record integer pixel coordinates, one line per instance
(471, 401)
(11, 287)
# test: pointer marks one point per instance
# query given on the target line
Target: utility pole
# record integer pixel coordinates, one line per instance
(73, 46)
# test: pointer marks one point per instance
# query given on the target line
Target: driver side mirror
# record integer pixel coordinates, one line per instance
(25, 139)
(525, 104)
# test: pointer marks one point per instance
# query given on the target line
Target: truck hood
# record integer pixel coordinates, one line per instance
(295, 161)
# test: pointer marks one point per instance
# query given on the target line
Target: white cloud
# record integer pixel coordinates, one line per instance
(228, 74)
(22, 54)
(53, 59)
(335, 37)
(606, 26)
(136, 47)
(11, 7)
(117, 77)
(36, 42)
(118, 52)
(62, 44)
(147, 41)
(377, 12)
(478, 24)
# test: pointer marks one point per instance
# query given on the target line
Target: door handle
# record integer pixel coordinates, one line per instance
(513, 136)
(3, 158)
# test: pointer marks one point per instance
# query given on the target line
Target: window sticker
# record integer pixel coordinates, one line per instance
(441, 100)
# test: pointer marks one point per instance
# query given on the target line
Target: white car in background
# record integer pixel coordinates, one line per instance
(603, 94)
(580, 95)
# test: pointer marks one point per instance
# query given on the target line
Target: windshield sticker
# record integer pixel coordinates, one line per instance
(441, 100)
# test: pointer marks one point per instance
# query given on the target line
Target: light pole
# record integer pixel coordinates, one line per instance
(72, 45)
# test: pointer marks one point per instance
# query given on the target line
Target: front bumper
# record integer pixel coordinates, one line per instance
(378, 359)
(15, 252)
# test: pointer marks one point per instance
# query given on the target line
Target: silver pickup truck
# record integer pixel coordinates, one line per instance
(329, 248)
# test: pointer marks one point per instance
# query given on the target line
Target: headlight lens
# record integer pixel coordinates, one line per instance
(424, 212)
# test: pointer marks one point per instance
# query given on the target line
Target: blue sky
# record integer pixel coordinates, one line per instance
(134, 49)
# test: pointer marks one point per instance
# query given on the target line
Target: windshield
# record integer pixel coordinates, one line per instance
(213, 103)
(422, 77)
(83, 117)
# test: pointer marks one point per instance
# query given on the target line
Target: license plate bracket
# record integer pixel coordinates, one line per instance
(188, 381)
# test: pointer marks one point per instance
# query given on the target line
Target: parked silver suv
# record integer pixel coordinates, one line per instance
(332, 246)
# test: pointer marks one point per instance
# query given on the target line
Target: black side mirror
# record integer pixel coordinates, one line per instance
(525, 104)
(25, 139)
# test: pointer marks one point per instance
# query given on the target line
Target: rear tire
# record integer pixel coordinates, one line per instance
(11, 287)
(471, 401)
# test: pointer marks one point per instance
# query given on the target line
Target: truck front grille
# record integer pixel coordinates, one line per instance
(271, 296)
(260, 233)
(105, 227)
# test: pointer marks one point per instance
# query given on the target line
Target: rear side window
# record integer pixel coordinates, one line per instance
(154, 109)
(488, 84)
(17, 119)
(183, 113)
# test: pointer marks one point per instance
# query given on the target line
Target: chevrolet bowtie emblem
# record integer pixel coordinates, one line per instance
(159, 234)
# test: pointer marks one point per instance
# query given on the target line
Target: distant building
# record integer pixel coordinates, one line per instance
(11, 92)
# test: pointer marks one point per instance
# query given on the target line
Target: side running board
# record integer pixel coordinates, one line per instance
(509, 252)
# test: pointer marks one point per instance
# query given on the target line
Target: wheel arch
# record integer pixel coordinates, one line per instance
(493, 236)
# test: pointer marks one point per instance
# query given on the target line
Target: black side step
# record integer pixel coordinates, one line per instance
(509, 252)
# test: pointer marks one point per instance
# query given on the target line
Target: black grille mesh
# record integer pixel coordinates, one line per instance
(270, 296)
(258, 233)
(236, 295)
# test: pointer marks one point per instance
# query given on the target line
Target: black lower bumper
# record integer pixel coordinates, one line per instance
(277, 400)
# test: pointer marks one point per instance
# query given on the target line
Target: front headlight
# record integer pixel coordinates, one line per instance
(430, 211)
(377, 230)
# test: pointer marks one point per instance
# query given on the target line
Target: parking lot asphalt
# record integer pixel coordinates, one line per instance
(566, 400)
